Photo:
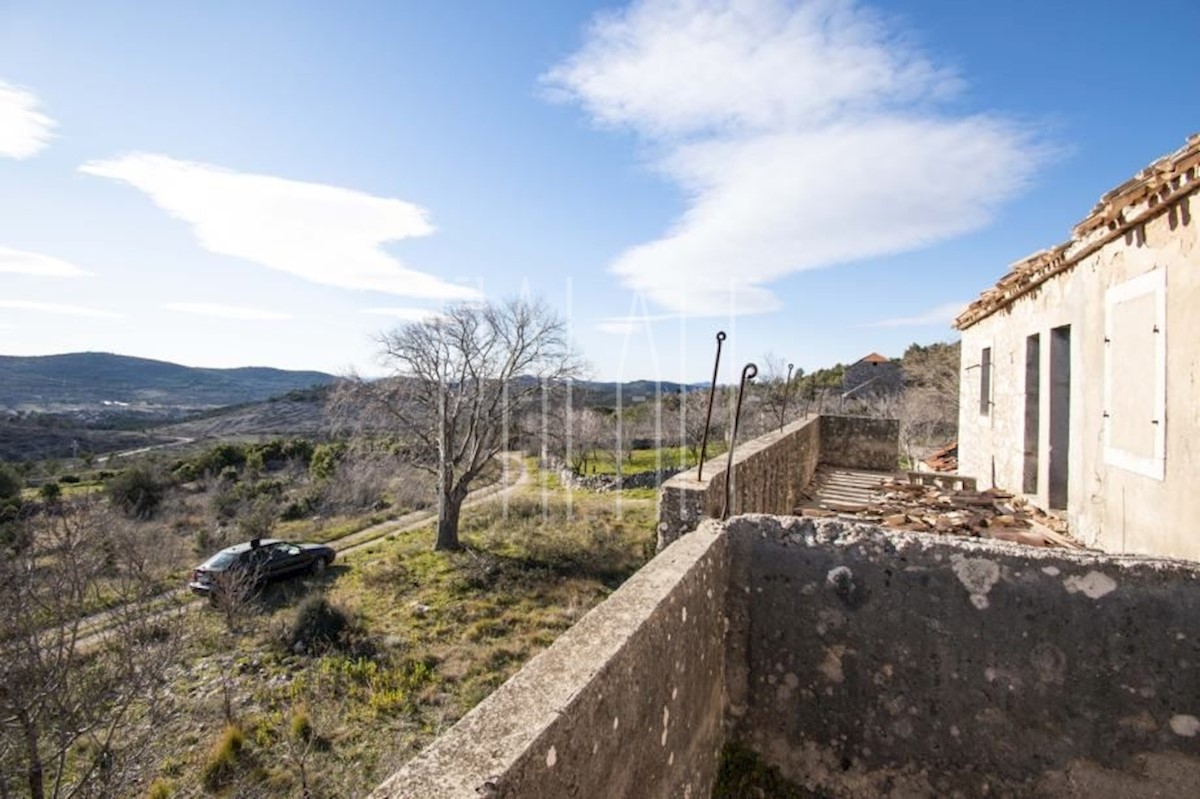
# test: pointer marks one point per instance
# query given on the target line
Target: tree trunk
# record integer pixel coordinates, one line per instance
(37, 785)
(449, 506)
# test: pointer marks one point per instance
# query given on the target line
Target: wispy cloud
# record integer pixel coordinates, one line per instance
(55, 308)
(226, 311)
(404, 314)
(624, 325)
(802, 134)
(32, 263)
(24, 130)
(941, 316)
(324, 234)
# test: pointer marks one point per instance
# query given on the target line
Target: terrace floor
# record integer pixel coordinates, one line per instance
(835, 489)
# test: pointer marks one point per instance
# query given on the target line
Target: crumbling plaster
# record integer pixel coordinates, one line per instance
(1108, 506)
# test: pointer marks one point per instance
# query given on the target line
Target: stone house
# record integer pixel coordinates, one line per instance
(1079, 369)
(872, 374)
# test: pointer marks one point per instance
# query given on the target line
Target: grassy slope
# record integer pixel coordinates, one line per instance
(448, 630)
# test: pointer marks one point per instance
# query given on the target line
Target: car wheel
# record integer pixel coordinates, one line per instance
(319, 566)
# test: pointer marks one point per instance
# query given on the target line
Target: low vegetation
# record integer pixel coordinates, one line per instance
(333, 682)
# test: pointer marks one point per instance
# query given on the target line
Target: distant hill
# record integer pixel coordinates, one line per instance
(98, 381)
(634, 391)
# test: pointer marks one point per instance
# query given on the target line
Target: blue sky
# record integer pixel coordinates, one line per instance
(227, 184)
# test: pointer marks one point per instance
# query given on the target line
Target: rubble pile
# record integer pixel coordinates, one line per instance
(951, 505)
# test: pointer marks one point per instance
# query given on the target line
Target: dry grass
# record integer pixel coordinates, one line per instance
(445, 629)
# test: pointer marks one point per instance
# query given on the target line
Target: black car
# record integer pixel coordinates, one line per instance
(259, 561)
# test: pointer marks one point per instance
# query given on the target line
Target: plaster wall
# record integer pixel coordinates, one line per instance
(627, 703)
(898, 665)
(1110, 506)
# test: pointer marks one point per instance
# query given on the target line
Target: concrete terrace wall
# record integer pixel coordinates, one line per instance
(857, 661)
(884, 664)
(858, 442)
(768, 474)
(627, 703)
(770, 471)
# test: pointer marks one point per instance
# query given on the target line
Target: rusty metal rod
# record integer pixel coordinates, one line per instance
(708, 418)
(786, 388)
(749, 372)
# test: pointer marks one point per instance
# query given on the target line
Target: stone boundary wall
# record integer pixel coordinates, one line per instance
(904, 664)
(611, 482)
(628, 703)
(770, 471)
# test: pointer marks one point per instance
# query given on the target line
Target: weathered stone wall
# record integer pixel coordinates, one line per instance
(627, 703)
(871, 377)
(860, 442)
(1109, 506)
(611, 482)
(768, 474)
(884, 664)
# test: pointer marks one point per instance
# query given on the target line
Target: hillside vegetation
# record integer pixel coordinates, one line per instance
(97, 380)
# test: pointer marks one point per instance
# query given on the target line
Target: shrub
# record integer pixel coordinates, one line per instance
(50, 492)
(297, 509)
(137, 492)
(10, 482)
(325, 459)
(301, 725)
(69, 478)
(161, 789)
(224, 757)
(319, 625)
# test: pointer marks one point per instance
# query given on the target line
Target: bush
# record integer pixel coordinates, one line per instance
(69, 478)
(137, 492)
(301, 725)
(161, 789)
(325, 459)
(319, 626)
(223, 758)
(50, 492)
(10, 482)
(297, 509)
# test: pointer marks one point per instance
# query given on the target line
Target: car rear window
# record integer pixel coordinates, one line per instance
(221, 560)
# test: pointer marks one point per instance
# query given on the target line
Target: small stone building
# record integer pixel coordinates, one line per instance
(1080, 381)
(872, 374)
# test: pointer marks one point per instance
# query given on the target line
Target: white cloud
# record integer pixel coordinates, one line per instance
(225, 311)
(66, 310)
(625, 325)
(404, 314)
(33, 263)
(24, 130)
(802, 134)
(324, 234)
(941, 316)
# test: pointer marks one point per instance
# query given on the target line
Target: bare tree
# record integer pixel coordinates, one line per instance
(73, 702)
(457, 380)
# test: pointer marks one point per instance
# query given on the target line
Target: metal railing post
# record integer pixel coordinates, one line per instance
(749, 371)
(708, 417)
